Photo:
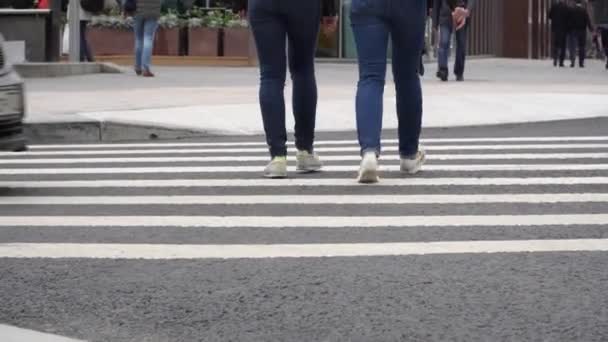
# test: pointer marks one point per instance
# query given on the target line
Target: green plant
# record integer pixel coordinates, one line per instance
(112, 22)
(170, 20)
(198, 17)
(235, 20)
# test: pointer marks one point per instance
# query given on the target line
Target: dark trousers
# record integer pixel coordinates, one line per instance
(373, 22)
(559, 46)
(445, 37)
(273, 22)
(604, 38)
(578, 40)
(85, 49)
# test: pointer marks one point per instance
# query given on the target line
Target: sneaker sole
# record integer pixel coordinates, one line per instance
(417, 168)
(309, 170)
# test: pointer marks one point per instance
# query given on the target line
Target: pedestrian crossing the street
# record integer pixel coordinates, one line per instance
(206, 200)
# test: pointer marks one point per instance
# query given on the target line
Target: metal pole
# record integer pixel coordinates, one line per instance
(208, 3)
(74, 24)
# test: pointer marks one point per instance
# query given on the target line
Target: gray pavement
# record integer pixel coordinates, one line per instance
(203, 254)
(189, 100)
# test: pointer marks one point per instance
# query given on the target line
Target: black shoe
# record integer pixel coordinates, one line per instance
(561, 65)
(442, 75)
(581, 65)
(572, 65)
(555, 62)
(459, 78)
(421, 69)
(606, 65)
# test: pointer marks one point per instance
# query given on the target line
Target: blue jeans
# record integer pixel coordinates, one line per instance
(85, 49)
(445, 32)
(144, 29)
(273, 23)
(373, 21)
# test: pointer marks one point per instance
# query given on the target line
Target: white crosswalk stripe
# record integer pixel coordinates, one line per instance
(39, 196)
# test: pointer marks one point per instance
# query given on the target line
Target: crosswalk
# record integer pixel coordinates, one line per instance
(201, 200)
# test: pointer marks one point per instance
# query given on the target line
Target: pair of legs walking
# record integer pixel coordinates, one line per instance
(276, 21)
(85, 49)
(445, 38)
(373, 22)
(280, 25)
(559, 47)
(577, 40)
(145, 30)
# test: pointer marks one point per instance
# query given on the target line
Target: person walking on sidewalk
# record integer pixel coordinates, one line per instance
(447, 24)
(558, 14)
(600, 11)
(274, 22)
(579, 23)
(373, 22)
(85, 17)
(147, 13)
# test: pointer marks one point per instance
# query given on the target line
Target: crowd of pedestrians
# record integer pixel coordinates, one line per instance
(570, 22)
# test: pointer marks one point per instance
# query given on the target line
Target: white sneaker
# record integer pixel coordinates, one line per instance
(414, 164)
(277, 168)
(368, 173)
(308, 162)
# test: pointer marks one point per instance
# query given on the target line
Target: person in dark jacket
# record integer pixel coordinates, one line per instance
(579, 22)
(146, 23)
(274, 22)
(444, 19)
(558, 14)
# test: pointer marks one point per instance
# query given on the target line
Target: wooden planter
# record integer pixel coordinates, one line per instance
(166, 42)
(238, 42)
(203, 41)
(106, 42)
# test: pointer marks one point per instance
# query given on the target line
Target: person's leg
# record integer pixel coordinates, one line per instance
(461, 52)
(371, 37)
(407, 32)
(581, 40)
(561, 41)
(443, 55)
(150, 27)
(138, 30)
(270, 32)
(572, 45)
(604, 39)
(304, 18)
(83, 41)
(554, 48)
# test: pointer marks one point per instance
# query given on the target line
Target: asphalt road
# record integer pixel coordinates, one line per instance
(504, 237)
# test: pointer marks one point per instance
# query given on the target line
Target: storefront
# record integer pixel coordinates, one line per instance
(514, 28)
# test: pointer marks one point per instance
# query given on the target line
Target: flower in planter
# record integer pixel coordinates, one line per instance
(235, 21)
(198, 17)
(169, 20)
(111, 22)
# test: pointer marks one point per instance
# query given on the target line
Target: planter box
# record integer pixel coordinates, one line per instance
(203, 41)
(238, 42)
(166, 42)
(107, 42)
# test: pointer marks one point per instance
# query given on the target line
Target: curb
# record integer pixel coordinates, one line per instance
(100, 131)
(49, 70)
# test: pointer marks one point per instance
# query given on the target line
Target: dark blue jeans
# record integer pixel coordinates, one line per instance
(445, 36)
(85, 49)
(373, 21)
(274, 22)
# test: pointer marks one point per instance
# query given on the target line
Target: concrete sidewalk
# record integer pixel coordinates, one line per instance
(190, 101)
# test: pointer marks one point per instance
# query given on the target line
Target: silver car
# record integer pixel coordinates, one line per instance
(12, 105)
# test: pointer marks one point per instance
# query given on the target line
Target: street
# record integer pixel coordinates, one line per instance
(502, 237)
